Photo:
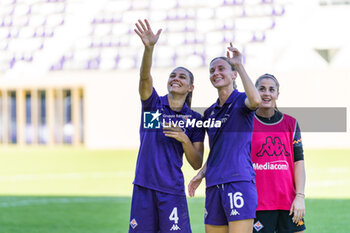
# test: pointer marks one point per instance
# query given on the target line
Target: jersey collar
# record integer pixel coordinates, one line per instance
(228, 101)
(165, 102)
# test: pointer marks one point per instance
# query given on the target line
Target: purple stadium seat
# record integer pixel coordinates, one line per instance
(93, 63)
(12, 62)
(184, 22)
(267, 1)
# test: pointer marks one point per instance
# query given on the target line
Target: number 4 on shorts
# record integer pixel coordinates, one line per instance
(173, 216)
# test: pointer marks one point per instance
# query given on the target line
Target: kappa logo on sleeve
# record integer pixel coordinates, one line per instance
(258, 226)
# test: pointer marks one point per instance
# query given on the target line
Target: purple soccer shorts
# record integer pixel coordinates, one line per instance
(230, 202)
(153, 211)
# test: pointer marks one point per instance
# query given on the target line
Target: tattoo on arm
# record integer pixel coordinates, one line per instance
(203, 173)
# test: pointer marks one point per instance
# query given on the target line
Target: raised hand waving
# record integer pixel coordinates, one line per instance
(146, 34)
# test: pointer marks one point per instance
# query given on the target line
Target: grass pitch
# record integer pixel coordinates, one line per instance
(79, 191)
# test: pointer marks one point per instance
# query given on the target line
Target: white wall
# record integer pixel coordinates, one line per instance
(112, 110)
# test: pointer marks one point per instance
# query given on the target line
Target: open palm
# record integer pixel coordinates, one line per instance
(146, 34)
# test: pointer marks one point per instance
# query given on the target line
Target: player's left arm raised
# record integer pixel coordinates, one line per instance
(253, 98)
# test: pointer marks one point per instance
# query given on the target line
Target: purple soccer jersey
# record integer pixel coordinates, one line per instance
(160, 158)
(229, 159)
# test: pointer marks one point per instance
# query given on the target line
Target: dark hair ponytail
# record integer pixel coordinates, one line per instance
(188, 99)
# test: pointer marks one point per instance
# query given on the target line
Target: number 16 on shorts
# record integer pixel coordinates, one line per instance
(236, 202)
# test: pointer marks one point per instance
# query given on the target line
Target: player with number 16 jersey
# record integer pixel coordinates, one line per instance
(231, 196)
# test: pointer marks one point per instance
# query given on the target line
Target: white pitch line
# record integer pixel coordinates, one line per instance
(66, 176)
(29, 202)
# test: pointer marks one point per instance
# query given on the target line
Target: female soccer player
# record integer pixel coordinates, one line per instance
(159, 200)
(231, 197)
(277, 155)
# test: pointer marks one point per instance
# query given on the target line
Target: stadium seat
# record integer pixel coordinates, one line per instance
(210, 24)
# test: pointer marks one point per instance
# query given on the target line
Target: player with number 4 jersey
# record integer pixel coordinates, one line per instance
(159, 202)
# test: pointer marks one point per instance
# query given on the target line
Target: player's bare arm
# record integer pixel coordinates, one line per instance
(149, 39)
(253, 98)
(193, 151)
(196, 181)
(298, 205)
